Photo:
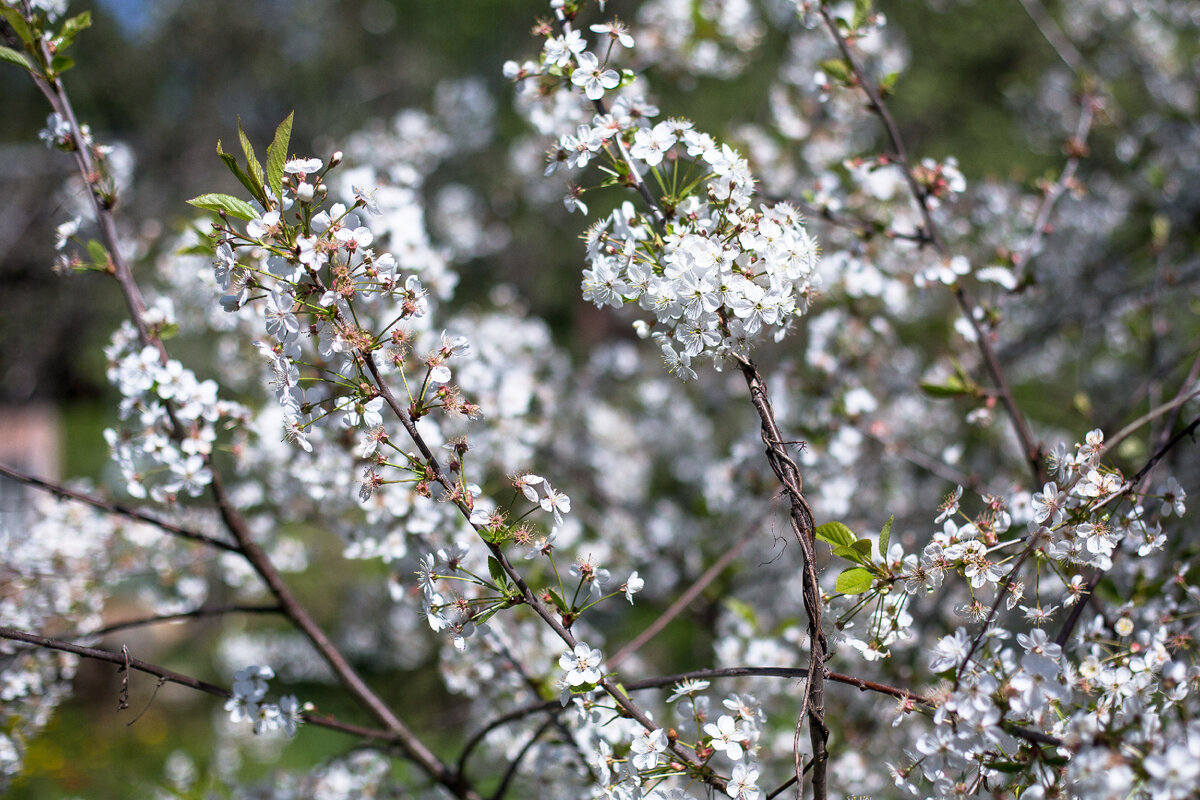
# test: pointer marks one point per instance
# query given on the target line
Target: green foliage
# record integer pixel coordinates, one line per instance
(277, 155)
(225, 203)
(13, 17)
(855, 580)
(860, 578)
(70, 29)
(14, 57)
(960, 384)
(98, 254)
(253, 168)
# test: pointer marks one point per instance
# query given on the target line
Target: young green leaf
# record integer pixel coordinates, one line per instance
(851, 554)
(277, 155)
(953, 387)
(836, 534)
(558, 601)
(855, 580)
(499, 576)
(14, 57)
(885, 535)
(70, 29)
(239, 173)
(494, 536)
(836, 70)
(226, 203)
(253, 168)
(862, 10)
(484, 616)
(59, 64)
(19, 26)
(888, 83)
(98, 254)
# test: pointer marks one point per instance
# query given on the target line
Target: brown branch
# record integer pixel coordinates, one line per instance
(1005, 584)
(1076, 149)
(119, 659)
(406, 740)
(662, 681)
(116, 509)
(685, 600)
(402, 736)
(511, 772)
(170, 676)
(801, 519)
(197, 613)
(608, 684)
(928, 463)
(1068, 627)
(1030, 450)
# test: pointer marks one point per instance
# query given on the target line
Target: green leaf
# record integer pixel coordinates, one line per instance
(888, 82)
(240, 174)
(200, 249)
(70, 29)
(484, 616)
(15, 57)
(14, 18)
(277, 155)
(494, 537)
(862, 10)
(205, 244)
(98, 254)
(742, 610)
(953, 387)
(837, 70)
(885, 535)
(863, 548)
(225, 203)
(852, 554)
(499, 577)
(253, 168)
(59, 64)
(836, 534)
(855, 580)
(558, 601)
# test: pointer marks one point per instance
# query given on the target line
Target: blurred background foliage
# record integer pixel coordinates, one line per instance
(167, 79)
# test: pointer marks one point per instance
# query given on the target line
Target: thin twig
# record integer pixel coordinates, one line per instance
(511, 772)
(1076, 147)
(684, 601)
(1030, 450)
(608, 684)
(170, 676)
(116, 509)
(405, 739)
(928, 463)
(1068, 627)
(803, 526)
(1149, 416)
(1054, 36)
(196, 613)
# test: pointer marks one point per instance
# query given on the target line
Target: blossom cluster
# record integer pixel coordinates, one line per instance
(713, 268)
(169, 417)
(245, 704)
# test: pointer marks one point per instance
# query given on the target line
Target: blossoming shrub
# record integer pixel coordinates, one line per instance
(842, 331)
